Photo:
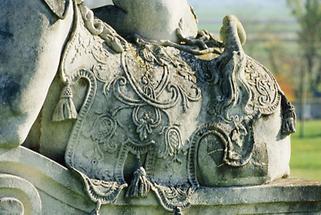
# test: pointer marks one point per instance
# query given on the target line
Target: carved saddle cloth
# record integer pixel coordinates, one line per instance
(132, 123)
(144, 123)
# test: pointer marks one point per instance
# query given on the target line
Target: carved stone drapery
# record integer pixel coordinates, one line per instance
(148, 114)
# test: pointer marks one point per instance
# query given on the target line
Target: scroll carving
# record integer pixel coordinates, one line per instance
(139, 99)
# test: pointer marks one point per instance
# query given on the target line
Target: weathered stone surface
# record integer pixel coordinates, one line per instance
(31, 42)
(58, 7)
(11, 206)
(142, 17)
(175, 124)
(18, 196)
(125, 112)
(65, 193)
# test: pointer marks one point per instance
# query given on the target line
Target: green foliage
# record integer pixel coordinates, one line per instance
(306, 152)
(308, 15)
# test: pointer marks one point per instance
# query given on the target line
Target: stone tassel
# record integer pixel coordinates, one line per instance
(140, 185)
(288, 116)
(65, 108)
(177, 211)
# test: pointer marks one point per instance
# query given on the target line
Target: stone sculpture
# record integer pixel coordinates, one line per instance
(140, 112)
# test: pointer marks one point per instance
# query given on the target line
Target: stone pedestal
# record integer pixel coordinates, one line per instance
(34, 184)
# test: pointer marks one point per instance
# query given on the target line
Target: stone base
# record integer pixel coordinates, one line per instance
(36, 185)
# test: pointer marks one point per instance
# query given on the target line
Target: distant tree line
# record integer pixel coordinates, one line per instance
(308, 15)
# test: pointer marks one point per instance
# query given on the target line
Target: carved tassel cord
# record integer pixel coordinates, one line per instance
(177, 211)
(65, 108)
(140, 185)
(288, 116)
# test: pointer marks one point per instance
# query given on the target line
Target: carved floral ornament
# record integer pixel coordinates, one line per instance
(139, 101)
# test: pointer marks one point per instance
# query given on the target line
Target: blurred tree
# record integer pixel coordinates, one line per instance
(308, 15)
(282, 65)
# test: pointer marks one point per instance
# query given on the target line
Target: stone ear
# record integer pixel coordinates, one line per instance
(58, 7)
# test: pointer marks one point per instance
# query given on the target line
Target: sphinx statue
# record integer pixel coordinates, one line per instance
(112, 105)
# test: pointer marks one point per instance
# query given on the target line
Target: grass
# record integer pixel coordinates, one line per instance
(306, 152)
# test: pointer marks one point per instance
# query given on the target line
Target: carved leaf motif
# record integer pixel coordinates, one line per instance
(173, 143)
(144, 129)
(174, 140)
(146, 118)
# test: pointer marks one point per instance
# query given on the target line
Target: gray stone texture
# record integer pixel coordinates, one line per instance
(62, 193)
(151, 19)
(31, 43)
(175, 121)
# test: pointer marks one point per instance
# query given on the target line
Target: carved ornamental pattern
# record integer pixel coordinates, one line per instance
(150, 123)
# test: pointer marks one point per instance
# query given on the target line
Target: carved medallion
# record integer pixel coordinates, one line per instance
(214, 147)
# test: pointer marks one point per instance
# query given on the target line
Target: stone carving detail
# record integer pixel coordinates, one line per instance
(141, 88)
(58, 7)
(18, 196)
(103, 130)
(139, 100)
(101, 29)
(174, 198)
(11, 206)
(173, 143)
(100, 191)
(233, 148)
(265, 91)
(288, 116)
(169, 111)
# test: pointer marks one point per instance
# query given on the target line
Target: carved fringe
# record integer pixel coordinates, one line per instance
(65, 108)
(140, 185)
